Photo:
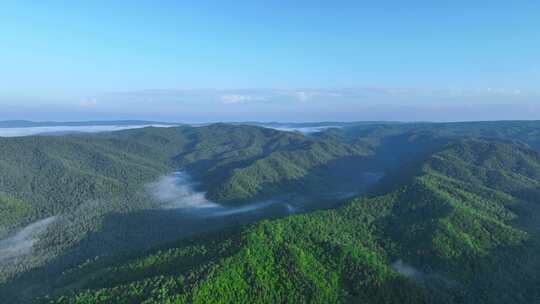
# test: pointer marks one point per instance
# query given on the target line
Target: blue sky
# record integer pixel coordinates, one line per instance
(270, 60)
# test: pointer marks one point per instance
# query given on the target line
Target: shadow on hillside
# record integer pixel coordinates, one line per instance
(124, 234)
(325, 186)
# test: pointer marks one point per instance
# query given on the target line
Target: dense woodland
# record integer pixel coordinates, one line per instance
(454, 220)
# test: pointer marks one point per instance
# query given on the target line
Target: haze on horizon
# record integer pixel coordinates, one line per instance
(270, 61)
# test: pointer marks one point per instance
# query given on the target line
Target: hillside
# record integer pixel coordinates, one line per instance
(80, 212)
(90, 189)
(439, 239)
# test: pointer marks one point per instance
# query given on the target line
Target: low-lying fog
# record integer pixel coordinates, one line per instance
(181, 211)
(177, 191)
(60, 130)
(303, 130)
(21, 243)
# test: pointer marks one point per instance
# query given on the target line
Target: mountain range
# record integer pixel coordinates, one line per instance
(273, 213)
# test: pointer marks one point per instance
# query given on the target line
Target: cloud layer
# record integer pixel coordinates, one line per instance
(293, 105)
(16, 132)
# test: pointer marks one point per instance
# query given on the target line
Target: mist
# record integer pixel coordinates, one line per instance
(303, 130)
(177, 191)
(406, 270)
(431, 280)
(61, 130)
(23, 242)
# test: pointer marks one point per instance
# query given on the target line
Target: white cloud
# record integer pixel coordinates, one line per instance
(87, 103)
(282, 104)
(304, 96)
(237, 98)
(308, 95)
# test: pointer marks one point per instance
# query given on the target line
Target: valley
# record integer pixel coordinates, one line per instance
(399, 204)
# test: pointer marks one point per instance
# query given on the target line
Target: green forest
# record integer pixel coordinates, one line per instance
(454, 218)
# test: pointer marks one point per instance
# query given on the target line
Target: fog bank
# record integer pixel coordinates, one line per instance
(303, 130)
(177, 191)
(60, 130)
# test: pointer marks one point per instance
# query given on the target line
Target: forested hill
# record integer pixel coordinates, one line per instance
(463, 230)
(57, 193)
(456, 201)
(44, 176)
(524, 132)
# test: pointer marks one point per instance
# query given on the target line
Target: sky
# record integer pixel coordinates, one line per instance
(201, 61)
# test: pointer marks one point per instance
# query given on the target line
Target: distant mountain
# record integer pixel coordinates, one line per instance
(28, 128)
